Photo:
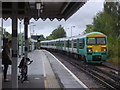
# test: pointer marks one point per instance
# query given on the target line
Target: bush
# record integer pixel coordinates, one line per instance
(114, 52)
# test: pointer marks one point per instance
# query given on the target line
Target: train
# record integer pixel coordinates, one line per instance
(91, 47)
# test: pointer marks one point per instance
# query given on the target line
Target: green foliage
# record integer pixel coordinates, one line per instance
(49, 37)
(7, 35)
(89, 28)
(108, 23)
(20, 38)
(57, 33)
(105, 23)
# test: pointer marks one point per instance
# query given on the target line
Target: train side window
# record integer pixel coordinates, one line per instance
(67, 43)
(74, 44)
(70, 44)
(55, 43)
(51, 43)
(81, 43)
(62, 43)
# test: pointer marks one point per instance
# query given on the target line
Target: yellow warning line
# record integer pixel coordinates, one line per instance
(44, 74)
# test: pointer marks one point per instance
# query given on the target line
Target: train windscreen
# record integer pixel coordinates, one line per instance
(96, 41)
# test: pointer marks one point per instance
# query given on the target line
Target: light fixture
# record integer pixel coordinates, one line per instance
(39, 7)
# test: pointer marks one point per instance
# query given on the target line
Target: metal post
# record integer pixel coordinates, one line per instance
(1, 44)
(21, 38)
(33, 29)
(2, 30)
(71, 30)
(30, 28)
(14, 46)
(26, 22)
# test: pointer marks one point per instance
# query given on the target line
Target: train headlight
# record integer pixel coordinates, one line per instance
(89, 49)
(103, 49)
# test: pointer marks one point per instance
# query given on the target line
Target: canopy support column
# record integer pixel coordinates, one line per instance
(26, 22)
(14, 76)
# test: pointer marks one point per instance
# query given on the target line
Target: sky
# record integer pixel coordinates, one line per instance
(77, 21)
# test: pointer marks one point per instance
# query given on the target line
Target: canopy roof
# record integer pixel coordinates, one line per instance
(43, 10)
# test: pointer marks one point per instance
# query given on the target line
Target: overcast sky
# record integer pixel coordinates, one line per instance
(80, 19)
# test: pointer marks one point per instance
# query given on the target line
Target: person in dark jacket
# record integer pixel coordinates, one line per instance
(6, 59)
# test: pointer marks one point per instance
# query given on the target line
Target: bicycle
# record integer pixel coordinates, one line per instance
(23, 69)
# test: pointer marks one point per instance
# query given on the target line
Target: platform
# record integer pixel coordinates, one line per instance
(47, 71)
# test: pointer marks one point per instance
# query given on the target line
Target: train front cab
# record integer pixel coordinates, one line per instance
(96, 48)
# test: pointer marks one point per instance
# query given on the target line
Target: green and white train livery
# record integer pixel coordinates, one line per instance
(91, 47)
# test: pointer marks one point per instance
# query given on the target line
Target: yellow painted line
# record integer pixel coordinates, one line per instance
(44, 74)
(50, 80)
(46, 84)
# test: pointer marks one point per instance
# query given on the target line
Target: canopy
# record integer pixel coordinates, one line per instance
(43, 10)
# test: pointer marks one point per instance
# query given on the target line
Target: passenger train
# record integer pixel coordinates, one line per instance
(91, 47)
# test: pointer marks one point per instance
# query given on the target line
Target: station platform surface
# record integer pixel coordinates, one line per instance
(46, 71)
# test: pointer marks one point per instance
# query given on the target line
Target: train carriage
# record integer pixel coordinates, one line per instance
(91, 47)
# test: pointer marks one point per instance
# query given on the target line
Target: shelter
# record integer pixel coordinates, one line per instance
(36, 10)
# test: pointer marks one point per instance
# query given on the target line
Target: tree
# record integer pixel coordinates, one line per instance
(105, 23)
(89, 28)
(113, 8)
(108, 22)
(57, 33)
(49, 37)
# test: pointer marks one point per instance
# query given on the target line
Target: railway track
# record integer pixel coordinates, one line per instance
(108, 80)
(99, 73)
(113, 70)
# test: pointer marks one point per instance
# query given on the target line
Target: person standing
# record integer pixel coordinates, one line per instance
(6, 58)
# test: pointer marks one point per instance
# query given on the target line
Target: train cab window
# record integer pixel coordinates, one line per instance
(81, 43)
(101, 40)
(91, 41)
(96, 40)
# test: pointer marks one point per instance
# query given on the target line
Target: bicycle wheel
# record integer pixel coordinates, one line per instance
(24, 74)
